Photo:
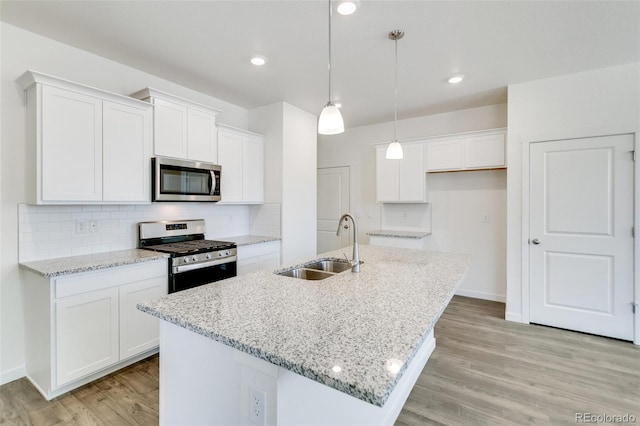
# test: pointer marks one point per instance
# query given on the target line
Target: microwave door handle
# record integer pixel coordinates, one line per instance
(212, 182)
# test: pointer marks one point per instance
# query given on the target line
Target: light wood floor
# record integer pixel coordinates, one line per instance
(484, 371)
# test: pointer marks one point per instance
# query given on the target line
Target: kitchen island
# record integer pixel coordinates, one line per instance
(270, 349)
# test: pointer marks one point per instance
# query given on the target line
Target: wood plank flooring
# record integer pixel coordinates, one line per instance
(484, 371)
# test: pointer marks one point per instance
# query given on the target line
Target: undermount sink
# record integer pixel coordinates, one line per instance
(336, 266)
(318, 269)
(306, 274)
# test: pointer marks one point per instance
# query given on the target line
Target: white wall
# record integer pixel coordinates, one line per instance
(22, 50)
(299, 187)
(599, 102)
(290, 173)
(459, 200)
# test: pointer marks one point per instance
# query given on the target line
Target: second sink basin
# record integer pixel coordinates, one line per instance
(318, 269)
(336, 266)
(306, 274)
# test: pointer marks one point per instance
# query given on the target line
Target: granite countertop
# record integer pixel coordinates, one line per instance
(247, 240)
(398, 234)
(360, 322)
(90, 262)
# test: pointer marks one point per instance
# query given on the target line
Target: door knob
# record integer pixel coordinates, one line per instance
(535, 241)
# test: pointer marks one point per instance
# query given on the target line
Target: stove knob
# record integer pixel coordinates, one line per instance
(208, 255)
(194, 258)
(227, 252)
(185, 260)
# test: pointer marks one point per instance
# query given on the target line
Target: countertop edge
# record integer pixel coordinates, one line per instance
(249, 239)
(98, 265)
(399, 234)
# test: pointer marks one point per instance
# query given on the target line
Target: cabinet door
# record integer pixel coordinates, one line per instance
(126, 153)
(253, 170)
(484, 152)
(248, 265)
(412, 174)
(230, 158)
(139, 331)
(387, 177)
(71, 146)
(86, 334)
(202, 137)
(270, 260)
(444, 155)
(170, 129)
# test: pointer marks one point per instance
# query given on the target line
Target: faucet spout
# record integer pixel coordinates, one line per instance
(355, 262)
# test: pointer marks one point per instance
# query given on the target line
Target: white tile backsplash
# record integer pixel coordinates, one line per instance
(47, 232)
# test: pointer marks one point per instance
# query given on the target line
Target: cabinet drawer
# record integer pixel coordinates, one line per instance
(95, 280)
(258, 249)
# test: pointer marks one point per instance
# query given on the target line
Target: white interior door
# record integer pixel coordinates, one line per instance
(333, 201)
(581, 243)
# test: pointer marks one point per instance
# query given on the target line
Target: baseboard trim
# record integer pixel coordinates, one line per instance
(513, 316)
(13, 374)
(481, 295)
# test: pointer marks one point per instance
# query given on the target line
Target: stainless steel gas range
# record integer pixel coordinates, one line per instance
(194, 260)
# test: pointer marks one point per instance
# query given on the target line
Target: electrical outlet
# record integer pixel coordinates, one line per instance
(81, 227)
(93, 226)
(256, 406)
(485, 218)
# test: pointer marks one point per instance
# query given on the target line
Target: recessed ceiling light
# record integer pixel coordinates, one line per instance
(258, 60)
(347, 7)
(456, 79)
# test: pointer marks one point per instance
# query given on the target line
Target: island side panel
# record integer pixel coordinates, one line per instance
(199, 379)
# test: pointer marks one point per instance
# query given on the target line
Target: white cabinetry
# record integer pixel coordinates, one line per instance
(471, 151)
(241, 155)
(254, 257)
(402, 181)
(182, 128)
(87, 334)
(126, 150)
(86, 145)
(82, 326)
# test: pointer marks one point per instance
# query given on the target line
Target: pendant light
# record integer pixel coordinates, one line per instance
(330, 121)
(394, 150)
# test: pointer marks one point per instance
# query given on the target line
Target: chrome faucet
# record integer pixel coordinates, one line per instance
(355, 262)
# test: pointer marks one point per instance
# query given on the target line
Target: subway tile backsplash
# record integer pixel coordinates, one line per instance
(47, 232)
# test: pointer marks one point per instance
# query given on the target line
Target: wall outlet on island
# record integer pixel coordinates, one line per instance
(256, 406)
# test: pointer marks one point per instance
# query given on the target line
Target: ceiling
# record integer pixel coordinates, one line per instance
(206, 46)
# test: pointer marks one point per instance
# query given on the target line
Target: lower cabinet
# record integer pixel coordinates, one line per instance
(255, 257)
(82, 326)
(86, 334)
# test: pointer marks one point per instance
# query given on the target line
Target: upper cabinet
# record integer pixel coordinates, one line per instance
(402, 181)
(182, 129)
(241, 155)
(86, 145)
(471, 151)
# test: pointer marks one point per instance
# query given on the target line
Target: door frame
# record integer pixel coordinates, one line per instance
(525, 217)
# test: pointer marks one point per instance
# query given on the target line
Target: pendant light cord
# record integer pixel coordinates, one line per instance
(329, 51)
(395, 96)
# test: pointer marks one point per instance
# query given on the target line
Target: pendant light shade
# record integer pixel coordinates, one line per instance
(394, 150)
(330, 121)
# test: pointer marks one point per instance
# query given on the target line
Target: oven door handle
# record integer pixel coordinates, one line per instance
(214, 262)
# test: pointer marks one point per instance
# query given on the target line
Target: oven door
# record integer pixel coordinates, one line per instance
(196, 277)
(179, 180)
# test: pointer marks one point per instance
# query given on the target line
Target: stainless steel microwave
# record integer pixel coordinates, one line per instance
(183, 180)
